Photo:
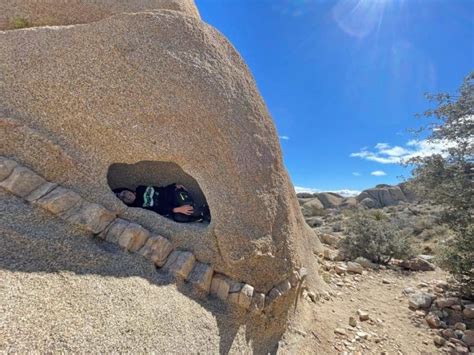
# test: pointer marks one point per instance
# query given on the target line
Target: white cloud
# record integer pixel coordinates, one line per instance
(284, 137)
(306, 189)
(342, 192)
(384, 153)
(355, 173)
(378, 173)
(381, 146)
(347, 192)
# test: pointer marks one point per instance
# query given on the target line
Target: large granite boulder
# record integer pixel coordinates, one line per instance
(382, 196)
(28, 13)
(330, 199)
(409, 192)
(349, 202)
(83, 104)
(312, 207)
(417, 264)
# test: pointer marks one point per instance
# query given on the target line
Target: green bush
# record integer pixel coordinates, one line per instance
(20, 22)
(423, 223)
(458, 258)
(437, 232)
(338, 227)
(373, 236)
(379, 215)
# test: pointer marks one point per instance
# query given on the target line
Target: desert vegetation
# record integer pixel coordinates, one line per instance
(415, 239)
(374, 236)
(447, 179)
(20, 22)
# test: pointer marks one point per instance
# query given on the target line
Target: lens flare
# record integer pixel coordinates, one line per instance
(359, 18)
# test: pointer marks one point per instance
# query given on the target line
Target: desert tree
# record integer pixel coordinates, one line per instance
(447, 178)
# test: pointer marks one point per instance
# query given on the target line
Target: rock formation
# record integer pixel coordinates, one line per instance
(330, 199)
(312, 207)
(378, 197)
(162, 88)
(24, 13)
(383, 195)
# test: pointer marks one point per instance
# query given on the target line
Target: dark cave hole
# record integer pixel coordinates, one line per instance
(158, 174)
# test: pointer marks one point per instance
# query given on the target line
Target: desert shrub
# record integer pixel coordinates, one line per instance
(458, 258)
(423, 223)
(379, 215)
(373, 236)
(436, 232)
(391, 210)
(20, 22)
(326, 276)
(320, 213)
(338, 227)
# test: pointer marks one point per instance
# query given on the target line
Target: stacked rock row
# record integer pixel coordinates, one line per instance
(183, 265)
(245, 296)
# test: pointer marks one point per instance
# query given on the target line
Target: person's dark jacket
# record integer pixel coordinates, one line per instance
(157, 199)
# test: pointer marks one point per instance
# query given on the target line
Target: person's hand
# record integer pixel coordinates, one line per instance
(180, 187)
(186, 209)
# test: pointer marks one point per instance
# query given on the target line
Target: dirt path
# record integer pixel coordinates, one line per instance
(322, 324)
(390, 328)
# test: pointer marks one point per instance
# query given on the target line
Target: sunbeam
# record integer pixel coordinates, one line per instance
(359, 18)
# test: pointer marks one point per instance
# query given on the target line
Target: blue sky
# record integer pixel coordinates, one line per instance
(343, 79)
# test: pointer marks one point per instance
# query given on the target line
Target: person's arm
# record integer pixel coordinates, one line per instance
(185, 209)
(166, 210)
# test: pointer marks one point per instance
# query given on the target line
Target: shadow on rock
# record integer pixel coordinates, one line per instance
(33, 241)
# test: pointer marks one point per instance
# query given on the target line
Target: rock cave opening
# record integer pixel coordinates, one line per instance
(153, 173)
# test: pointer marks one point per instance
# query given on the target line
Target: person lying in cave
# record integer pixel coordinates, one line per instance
(172, 201)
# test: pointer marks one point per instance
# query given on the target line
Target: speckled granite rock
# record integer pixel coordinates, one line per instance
(381, 196)
(22, 181)
(157, 86)
(241, 295)
(284, 287)
(201, 277)
(91, 216)
(59, 200)
(273, 295)
(114, 230)
(41, 191)
(180, 264)
(258, 302)
(245, 296)
(6, 167)
(156, 249)
(46, 12)
(133, 237)
(220, 286)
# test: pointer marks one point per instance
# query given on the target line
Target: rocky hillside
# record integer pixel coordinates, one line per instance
(378, 197)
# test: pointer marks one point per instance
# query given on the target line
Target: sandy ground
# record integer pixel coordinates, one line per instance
(61, 290)
(392, 329)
